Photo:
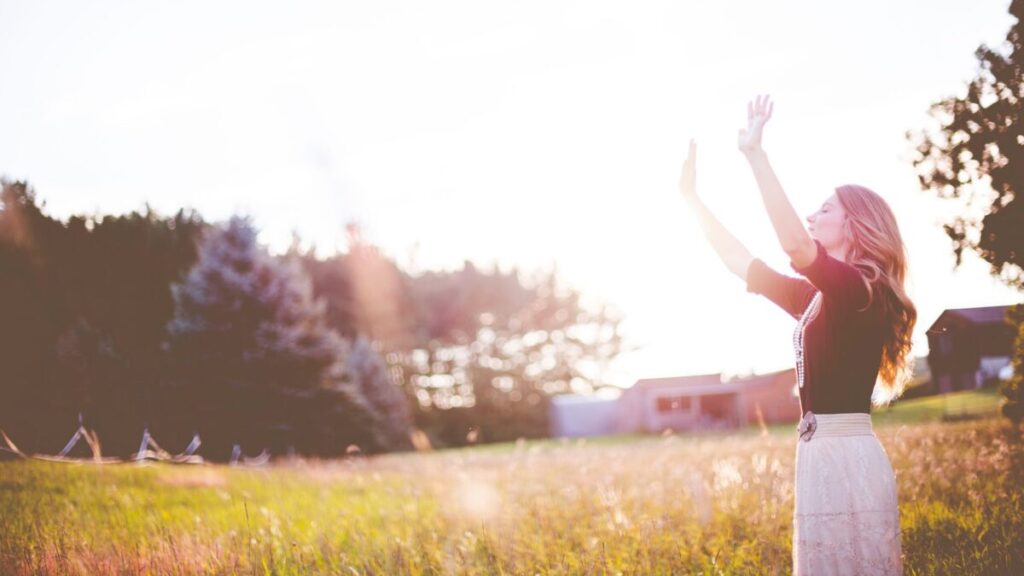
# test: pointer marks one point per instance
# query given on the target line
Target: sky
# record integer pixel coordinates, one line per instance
(530, 134)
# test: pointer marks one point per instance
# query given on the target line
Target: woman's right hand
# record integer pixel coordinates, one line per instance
(758, 113)
(688, 180)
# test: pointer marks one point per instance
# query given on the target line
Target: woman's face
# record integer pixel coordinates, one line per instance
(826, 225)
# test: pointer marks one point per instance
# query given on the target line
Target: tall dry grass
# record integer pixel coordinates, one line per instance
(713, 504)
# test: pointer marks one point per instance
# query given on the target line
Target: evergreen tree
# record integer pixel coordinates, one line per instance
(84, 305)
(392, 417)
(254, 355)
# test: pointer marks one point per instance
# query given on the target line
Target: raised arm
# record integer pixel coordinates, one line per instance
(793, 237)
(791, 294)
(735, 256)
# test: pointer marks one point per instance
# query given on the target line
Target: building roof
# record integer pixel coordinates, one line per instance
(980, 315)
(674, 381)
(706, 382)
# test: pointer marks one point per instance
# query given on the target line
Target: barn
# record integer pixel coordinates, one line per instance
(967, 346)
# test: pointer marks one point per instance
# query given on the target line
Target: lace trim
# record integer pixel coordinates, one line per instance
(810, 313)
(864, 542)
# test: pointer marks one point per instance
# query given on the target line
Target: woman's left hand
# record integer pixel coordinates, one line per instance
(758, 113)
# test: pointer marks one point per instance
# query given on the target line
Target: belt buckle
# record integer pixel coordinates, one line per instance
(808, 424)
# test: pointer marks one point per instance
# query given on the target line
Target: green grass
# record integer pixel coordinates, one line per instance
(699, 504)
(963, 405)
(955, 405)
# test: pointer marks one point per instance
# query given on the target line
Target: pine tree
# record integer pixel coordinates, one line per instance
(257, 359)
(392, 417)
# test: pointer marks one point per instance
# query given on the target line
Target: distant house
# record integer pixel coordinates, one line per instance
(968, 346)
(706, 402)
(701, 402)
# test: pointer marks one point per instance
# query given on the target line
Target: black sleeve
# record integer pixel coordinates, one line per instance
(791, 294)
(838, 281)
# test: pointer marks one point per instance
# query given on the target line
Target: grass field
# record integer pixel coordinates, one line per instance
(702, 504)
(952, 406)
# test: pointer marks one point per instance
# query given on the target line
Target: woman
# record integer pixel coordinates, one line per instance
(853, 331)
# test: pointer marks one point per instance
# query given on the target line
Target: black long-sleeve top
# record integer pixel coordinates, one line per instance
(842, 345)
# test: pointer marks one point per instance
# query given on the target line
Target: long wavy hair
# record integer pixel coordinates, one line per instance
(875, 247)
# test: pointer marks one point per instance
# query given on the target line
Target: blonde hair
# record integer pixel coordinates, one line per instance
(875, 247)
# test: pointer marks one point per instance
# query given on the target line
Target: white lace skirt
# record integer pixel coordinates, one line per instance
(845, 519)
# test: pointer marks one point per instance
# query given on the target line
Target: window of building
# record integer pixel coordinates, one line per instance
(674, 403)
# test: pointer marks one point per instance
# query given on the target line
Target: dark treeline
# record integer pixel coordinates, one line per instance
(972, 154)
(182, 326)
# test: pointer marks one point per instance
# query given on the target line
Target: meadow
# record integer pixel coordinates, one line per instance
(715, 503)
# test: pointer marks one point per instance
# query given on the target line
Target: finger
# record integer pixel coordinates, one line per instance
(750, 111)
(693, 150)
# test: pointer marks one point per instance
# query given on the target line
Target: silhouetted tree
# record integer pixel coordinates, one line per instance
(124, 291)
(254, 353)
(84, 305)
(34, 312)
(975, 155)
(269, 351)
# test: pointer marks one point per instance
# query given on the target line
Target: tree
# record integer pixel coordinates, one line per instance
(1013, 389)
(392, 418)
(477, 353)
(365, 292)
(35, 313)
(255, 357)
(85, 304)
(122, 284)
(974, 155)
(491, 350)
